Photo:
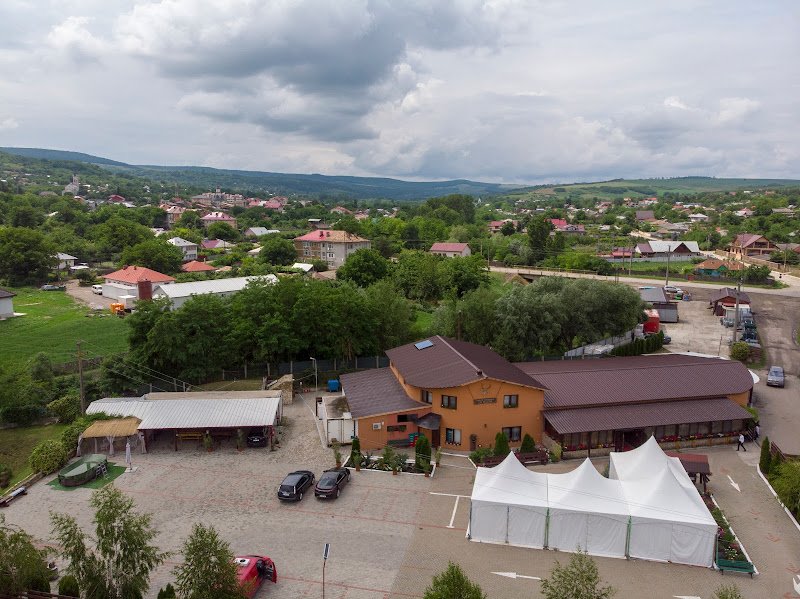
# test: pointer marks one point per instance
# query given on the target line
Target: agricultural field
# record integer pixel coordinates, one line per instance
(52, 324)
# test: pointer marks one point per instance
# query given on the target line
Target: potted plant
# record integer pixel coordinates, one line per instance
(240, 440)
(355, 454)
(208, 442)
(437, 456)
(401, 460)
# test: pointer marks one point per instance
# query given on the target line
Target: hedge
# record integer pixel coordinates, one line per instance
(48, 456)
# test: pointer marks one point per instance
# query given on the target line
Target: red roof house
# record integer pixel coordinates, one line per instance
(196, 266)
(451, 250)
(131, 275)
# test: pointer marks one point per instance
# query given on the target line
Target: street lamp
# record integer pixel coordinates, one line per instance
(316, 383)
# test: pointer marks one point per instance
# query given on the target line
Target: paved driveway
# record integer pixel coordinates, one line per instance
(85, 296)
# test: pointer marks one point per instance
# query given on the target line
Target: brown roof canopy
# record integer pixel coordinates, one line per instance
(637, 379)
(629, 416)
(377, 391)
(439, 362)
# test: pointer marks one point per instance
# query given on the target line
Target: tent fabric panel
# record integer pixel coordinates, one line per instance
(607, 536)
(488, 522)
(526, 526)
(693, 545)
(651, 540)
(568, 530)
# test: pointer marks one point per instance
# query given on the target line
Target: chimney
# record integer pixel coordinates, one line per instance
(328, 234)
(145, 290)
(322, 234)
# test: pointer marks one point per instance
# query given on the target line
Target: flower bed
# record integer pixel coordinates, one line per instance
(388, 460)
(728, 546)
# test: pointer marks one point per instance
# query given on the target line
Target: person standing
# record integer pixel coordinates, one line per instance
(741, 442)
(757, 432)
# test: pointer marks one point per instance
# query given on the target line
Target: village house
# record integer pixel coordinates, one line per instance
(218, 217)
(6, 303)
(461, 395)
(259, 231)
(714, 267)
(497, 225)
(125, 282)
(217, 198)
(450, 250)
(645, 216)
(562, 226)
(751, 244)
(663, 250)
(65, 261)
(723, 302)
(216, 244)
(188, 248)
(195, 266)
(332, 246)
(174, 213)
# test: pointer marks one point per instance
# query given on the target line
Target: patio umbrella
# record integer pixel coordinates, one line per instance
(128, 454)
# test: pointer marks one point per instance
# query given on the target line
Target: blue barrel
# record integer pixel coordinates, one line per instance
(333, 386)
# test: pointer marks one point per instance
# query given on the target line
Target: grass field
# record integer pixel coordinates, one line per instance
(16, 445)
(53, 323)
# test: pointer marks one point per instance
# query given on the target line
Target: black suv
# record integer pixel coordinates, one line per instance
(295, 484)
(256, 439)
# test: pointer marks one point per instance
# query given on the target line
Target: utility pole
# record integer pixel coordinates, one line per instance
(669, 254)
(80, 378)
(736, 313)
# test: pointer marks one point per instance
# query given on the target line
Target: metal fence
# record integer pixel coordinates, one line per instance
(306, 369)
(613, 341)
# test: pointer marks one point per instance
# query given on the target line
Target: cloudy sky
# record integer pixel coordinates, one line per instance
(494, 90)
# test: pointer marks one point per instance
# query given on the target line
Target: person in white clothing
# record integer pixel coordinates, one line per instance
(741, 442)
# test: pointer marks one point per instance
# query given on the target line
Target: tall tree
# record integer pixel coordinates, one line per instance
(25, 256)
(453, 584)
(208, 570)
(120, 563)
(277, 250)
(579, 579)
(22, 565)
(220, 230)
(153, 253)
(539, 238)
(363, 267)
(392, 312)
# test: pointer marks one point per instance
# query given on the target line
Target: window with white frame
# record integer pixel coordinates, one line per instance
(510, 401)
(452, 436)
(449, 401)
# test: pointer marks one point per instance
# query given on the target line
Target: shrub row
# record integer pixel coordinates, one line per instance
(640, 346)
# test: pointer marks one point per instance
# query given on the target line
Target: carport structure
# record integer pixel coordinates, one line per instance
(191, 415)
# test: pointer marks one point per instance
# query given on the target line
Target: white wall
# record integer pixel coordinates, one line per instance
(115, 290)
(6, 307)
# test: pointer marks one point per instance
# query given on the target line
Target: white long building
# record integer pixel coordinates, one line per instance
(179, 293)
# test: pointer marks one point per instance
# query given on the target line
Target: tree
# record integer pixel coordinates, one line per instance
(363, 267)
(208, 570)
(756, 274)
(25, 256)
(189, 220)
(740, 351)
(728, 591)
(277, 250)
(528, 444)
(120, 563)
(787, 484)
(22, 565)
(418, 276)
(392, 313)
(765, 460)
(422, 451)
(463, 274)
(577, 580)
(508, 228)
(156, 254)
(220, 230)
(501, 448)
(453, 584)
(538, 236)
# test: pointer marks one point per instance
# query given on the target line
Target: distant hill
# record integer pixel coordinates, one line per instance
(44, 154)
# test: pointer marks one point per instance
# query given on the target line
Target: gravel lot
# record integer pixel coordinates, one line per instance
(85, 296)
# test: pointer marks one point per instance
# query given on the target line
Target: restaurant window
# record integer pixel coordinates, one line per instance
(703, 428)
(406, 417)
(510, 401)
(396, 428)
(716, 427)
(452, 436)
(514, 433)
(427, 396)
(683, 430)
(693, 429)
(449, 401)
(727, 426)
(669, 430)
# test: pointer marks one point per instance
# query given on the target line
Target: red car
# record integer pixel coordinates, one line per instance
(253, 570)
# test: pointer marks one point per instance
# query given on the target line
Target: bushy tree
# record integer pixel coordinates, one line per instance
(221, 230)
(22, 565)
(156, 254)
(728, 591)
(528, 444)
(786, 482)
(68, 586)
(277, 250)
(422, 451)
(25, 256)
(168, 592)
(453, 584)
(501, 447)
(740, 351)
(67, 407)
(48, 456)
(208, 570)
(122, 558)
(765, 460)
(538, 238)
(579, 579)
(363, 267)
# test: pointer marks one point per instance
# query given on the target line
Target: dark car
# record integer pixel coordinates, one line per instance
(775, 376)
(331, 482)
(256, 439)
(53, 288)
(295, 484)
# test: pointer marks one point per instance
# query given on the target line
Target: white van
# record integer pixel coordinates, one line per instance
(97, 289)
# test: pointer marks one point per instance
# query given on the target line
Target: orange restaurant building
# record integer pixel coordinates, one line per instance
(460, 395)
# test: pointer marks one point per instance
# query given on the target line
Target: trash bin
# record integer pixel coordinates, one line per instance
(333, 386)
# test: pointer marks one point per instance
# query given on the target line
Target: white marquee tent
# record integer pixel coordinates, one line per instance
(647, 509)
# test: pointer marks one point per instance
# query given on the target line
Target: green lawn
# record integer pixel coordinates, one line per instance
(53, 322)
(16, 445)
(113, 472)
(422, 323)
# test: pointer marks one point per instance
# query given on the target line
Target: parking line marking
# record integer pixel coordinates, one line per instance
(448, 494)
(453, 517)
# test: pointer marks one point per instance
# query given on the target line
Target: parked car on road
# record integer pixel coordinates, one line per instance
(775, 377)
(295, 484)
(331, 482)
(673, 289)
(252, 571)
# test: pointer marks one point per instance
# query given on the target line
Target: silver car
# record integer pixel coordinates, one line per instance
(775, 376)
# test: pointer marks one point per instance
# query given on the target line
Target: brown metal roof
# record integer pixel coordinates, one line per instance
(608, 381)
(377, 391)
(724, 292)
(692, 462)
(583, 420)
(449, 363)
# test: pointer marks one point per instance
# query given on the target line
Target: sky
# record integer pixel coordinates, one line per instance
(514, 91)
